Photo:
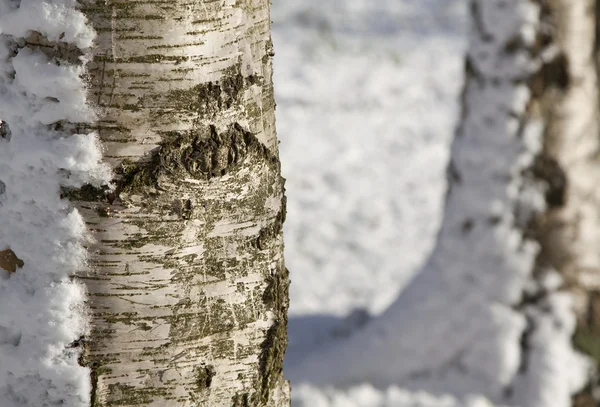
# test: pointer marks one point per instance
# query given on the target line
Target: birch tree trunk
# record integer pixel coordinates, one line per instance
(188, 289)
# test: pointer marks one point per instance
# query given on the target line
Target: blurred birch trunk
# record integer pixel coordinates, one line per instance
(514, 279)
(563, 97)
(188, 290)
(569, 231)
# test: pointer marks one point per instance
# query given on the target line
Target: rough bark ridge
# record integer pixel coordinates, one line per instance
(188, 288)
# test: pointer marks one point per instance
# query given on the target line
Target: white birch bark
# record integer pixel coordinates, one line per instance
(187, 287)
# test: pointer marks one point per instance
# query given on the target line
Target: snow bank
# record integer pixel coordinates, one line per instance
(368, 396)
(42, 308)
(366, 108)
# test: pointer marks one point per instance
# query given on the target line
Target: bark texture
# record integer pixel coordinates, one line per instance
(188, 289)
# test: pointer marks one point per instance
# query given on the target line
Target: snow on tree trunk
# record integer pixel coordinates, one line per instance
(488, 314)
(41, 237)
(187, 289)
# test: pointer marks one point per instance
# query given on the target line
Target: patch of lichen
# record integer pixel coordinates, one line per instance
(243, 314)
(137, 178)
(276, 297)
(210, 98)
(223, 346)
(232, 84)
(276, 288)
(273, 230)
(185, 321)
(244, 400)
(124, 395)
(271, 359)
(201, 154)
(87, 193)
(208, 153)
(587, 341)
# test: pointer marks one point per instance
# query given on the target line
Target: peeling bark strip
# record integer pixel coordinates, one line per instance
(189, 292)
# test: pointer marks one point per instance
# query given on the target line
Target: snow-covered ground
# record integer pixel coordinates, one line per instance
(367, 102)
(367, 95)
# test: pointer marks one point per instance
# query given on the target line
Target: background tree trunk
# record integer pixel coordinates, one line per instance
(569, 231)
(489, 313)
(188, 288)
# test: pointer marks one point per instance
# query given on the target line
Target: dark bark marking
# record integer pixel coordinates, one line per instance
(211, 98)
(555, 73)
(201, 154)
(87, 193)
(467, 226)
(244, 400)
(273, 230)
(9, 261)
(5, 132)
(550, 172)
(204, 377)
(276, 296)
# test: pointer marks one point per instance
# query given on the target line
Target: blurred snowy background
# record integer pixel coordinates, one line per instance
(367, 103)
